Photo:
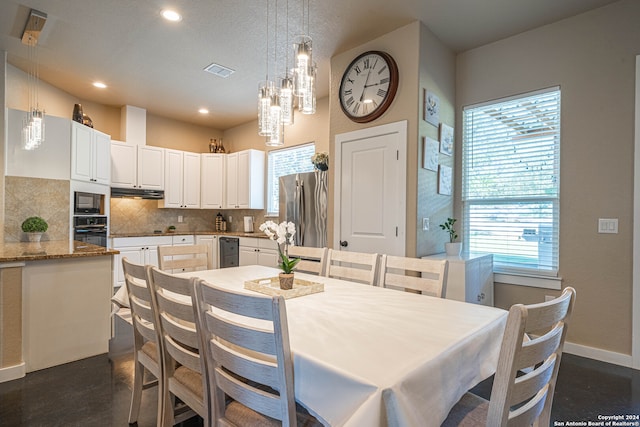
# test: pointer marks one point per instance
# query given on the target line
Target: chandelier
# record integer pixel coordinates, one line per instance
(277, 97)
(33, 123)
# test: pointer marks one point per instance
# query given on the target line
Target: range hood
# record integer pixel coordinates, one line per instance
(137, 193)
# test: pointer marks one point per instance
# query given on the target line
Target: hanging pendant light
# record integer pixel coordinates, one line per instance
(33, 134)
(307, 104)
(304, 67)
(265, 93)
(286, 100)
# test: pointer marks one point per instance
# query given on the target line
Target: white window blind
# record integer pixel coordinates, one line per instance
(510, 181)
(282, 162)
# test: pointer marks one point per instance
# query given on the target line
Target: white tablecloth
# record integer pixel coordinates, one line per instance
(368, 356)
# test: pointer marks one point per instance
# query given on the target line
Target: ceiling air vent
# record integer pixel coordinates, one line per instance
(219, 70)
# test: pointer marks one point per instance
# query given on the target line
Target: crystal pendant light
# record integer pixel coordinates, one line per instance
(265, 93)
(307, 103)
(33, 134)
(276, 136)
(302, 51)
(286, 100)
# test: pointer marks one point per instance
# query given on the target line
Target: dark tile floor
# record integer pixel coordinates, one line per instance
(96, 392)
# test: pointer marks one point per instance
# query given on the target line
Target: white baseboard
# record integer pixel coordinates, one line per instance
(599, 354)
(12, 372)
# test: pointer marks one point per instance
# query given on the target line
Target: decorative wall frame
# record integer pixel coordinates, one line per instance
(429, 154)
(444, 180)
(446, 139)
(431, 108)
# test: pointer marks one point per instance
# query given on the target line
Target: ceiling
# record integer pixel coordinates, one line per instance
(157, 65)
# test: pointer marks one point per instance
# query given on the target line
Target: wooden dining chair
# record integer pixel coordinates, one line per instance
(181, 373)
(312, 260)
(354, 266)
(146, 348)
(182, 258)
(526, 398)
(247, 358)
(428, 276)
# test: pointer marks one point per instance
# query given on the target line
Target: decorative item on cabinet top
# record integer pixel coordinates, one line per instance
(216, 146)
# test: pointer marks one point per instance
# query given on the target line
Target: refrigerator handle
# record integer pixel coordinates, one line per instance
(301, 212)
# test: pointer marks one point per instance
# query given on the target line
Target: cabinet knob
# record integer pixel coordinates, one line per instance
(344, 243)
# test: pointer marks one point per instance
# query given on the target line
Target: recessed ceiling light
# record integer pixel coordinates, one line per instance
(203, 111)
(219, 70)
(100, 85)
(171, 15)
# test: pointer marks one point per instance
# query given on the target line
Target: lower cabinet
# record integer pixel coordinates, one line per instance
(470, 278)
(139, 250)
(212, 242)
(258, 251)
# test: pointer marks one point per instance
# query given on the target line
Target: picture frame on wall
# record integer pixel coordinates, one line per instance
(429, 154)
(444, 180)
(431, 108)
(446, 139)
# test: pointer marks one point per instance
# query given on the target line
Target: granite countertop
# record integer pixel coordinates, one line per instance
(28, 251)
(258, 234)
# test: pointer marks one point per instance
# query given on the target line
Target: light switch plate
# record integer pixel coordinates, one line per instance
(425, 224)
(608, 225)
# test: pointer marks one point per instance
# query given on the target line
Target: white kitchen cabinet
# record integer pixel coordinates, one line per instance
(90, 154)
(212, 180)
(212, 242)
(258, 251)
(139, 250)
(470, 278)
(245, 180)
(137, 166)
(181, 180)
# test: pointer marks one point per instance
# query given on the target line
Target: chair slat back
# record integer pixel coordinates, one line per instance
(312, 260)
(172, 297)
(523, 400)
(142, 314)
(184, 257)
(247, 356)
(428, 276)
(353, 266)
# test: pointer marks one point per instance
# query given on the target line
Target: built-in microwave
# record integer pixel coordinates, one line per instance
(88, 204)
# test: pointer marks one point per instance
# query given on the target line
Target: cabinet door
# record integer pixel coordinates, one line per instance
(123, 165)
(134, 255)
(151, 256)
(173, 179)
(101, 158)
(232, 180)
(212, 244)
(243, 180)
(191, 181)
(268, 258)
(247, 255)
(150, 174)
(212, 181)
(81, 152)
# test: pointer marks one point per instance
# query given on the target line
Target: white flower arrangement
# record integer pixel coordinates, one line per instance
(283, 234)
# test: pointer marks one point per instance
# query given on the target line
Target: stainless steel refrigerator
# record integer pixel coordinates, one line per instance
(303, 201)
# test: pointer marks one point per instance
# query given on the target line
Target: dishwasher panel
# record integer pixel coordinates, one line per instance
(229, 254)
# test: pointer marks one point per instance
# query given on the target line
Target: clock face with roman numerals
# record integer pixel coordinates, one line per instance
(368, 86)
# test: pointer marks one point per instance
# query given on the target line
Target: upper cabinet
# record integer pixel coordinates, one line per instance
(137, 166)
(90, 154)
(245, 180)
(212, 179)
(181, 180)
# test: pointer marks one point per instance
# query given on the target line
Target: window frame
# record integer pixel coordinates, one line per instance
(270, 182)
(510, 273)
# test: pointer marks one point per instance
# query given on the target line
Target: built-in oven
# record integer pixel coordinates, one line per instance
(88, 203)
(90, 229)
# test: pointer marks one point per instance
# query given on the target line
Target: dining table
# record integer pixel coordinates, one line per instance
(370, 356)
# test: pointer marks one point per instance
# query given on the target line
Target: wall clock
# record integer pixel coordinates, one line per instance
(368, 86)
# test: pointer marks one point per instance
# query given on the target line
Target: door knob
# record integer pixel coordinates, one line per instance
(344, 243)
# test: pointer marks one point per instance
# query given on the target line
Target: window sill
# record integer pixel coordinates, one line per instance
(543, 282)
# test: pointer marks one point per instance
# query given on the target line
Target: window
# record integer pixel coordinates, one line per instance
(285, 162)
(510, 182)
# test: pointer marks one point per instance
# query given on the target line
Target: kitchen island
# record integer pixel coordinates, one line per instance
(54, 304)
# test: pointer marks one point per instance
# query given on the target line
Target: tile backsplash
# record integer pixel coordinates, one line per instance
(129, 216)
(47, 198)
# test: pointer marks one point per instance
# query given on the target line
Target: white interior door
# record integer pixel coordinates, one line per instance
(370, 196)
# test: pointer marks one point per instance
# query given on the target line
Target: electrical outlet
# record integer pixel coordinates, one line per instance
(230, 219)
(425, 224)
(180, 218)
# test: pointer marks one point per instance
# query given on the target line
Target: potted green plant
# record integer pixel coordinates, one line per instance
(452, 247)
(34, 226)
(283, 235)
(320, 161)
(171, 229)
